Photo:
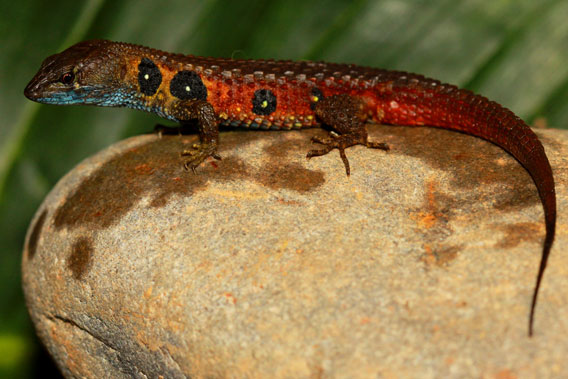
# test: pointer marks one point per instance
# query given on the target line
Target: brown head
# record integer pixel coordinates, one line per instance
(88, 72)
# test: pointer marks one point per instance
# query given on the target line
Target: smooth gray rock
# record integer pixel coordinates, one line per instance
(420, 264)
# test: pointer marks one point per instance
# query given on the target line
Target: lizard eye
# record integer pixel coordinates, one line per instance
(67, 78)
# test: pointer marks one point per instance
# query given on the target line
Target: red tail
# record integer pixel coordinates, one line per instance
(415, 100)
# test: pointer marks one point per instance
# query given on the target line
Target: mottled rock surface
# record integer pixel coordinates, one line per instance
(265, 264)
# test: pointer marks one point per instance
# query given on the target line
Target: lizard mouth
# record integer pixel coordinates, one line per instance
(40, 90)
(43, 89)
(33, 90)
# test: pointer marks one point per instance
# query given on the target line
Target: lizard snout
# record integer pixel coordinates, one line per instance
(33, 89)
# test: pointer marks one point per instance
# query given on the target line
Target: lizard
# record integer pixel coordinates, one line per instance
(284, 95)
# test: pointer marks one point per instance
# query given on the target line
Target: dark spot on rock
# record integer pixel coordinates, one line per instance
(441, 256)
(36, 233)
(149, 77)
(281, 149)
(433, 218)
(187, 85)
(516, 233)
(291, 176)
(522, 196)
(155, 169)
(80, 258)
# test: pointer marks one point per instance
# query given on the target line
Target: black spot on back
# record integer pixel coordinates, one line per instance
(263, 102)
(80, 259)
(187, 85)
(149, 77)
(36, 233)
(317, 96)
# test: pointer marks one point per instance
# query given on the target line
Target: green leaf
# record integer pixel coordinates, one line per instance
(513, 52)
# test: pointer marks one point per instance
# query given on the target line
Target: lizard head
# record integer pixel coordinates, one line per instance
(86, 73)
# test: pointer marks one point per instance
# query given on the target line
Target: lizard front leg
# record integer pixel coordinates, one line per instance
(345, 115)
(207, 121)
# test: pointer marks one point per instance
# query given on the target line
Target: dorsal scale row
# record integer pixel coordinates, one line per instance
(254, 99)
(258, 93)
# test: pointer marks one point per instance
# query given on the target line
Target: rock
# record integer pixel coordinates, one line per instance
(420, 264)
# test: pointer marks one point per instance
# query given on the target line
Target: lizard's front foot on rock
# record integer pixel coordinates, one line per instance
(198, 153)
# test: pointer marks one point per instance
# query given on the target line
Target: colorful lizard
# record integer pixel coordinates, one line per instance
(278, 95)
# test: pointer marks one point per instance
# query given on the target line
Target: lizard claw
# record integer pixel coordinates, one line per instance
(198, 154)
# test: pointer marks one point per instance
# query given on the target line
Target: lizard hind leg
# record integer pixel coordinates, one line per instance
(345, 115)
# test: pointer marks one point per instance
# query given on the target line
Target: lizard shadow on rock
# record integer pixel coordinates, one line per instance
(156, 169)
(474, 164)
(480, 172)
(80, 259)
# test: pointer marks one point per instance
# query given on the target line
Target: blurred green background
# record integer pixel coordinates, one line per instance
(512, 51)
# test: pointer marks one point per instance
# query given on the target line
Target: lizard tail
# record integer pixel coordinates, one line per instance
(420, 101)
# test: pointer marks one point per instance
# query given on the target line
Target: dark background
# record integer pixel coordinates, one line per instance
(514, 52)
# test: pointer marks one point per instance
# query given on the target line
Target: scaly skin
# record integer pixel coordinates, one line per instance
(278, 95)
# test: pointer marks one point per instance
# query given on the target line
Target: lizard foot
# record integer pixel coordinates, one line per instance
(198, 153)
(341, 142)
